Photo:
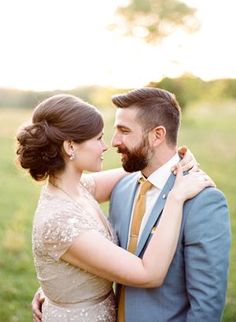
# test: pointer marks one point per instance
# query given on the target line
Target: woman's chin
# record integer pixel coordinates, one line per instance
(98, 168)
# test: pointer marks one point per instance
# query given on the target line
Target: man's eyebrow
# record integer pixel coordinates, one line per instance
(121, 127)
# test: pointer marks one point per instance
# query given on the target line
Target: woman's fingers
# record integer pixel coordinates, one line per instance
(186, 166)
(206, 178)
(36, 319)
(182, 151)
(36, 308)
(179, 172)
(195, 167)
(202, 179)
(208, 181)
(188, 161)
(188, 186)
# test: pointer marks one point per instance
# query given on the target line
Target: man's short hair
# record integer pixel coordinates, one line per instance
(156, 107)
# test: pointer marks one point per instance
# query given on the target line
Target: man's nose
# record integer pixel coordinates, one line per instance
(115, 141)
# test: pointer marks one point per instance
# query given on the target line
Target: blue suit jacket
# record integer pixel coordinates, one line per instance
(195, 286)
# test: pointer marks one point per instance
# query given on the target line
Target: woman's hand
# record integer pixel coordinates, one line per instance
(188, 186)
(37, 302)
(187, 162)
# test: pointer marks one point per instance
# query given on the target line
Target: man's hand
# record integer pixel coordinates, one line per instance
(37, 302)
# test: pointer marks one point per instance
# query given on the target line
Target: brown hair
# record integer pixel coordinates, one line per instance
(56, 119)
(156, 106)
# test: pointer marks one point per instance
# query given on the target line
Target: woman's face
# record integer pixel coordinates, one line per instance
(89, 154)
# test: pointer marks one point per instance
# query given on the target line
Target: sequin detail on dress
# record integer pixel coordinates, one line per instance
(102, 312)
(72, 294)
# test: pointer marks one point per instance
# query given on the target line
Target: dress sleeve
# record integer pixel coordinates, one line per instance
(88, 181)
(61, 229)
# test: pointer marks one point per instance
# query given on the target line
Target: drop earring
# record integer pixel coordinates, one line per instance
(72, 156)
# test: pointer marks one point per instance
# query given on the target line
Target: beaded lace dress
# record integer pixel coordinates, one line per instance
(72, 294)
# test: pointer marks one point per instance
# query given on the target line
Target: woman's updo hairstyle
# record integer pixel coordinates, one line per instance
(55, 120)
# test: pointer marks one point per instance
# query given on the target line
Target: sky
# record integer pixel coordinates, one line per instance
(63, 44)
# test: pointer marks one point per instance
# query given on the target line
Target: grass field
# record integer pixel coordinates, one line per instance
(209, 130)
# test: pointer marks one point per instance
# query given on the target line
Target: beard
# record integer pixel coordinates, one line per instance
(137, 158)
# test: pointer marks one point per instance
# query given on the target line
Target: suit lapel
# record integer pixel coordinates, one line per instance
(155, 213)
(126, 207)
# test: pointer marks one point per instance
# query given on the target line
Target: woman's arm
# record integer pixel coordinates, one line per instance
(105, 182)
(95, 254)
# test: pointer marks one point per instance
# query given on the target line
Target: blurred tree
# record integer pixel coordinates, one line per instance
(153, 20)
(187, 89)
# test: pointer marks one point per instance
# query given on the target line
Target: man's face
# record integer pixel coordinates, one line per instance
(131, 141)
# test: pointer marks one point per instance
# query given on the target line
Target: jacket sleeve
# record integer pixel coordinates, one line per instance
(206, 254)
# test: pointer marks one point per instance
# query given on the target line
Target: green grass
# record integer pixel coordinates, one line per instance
(210, 132)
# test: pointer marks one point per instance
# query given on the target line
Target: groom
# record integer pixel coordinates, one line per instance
(146, 130)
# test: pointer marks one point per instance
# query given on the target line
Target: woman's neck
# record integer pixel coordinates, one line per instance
(68, 181)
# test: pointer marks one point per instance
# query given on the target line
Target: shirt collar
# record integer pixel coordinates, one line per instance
(159, 177)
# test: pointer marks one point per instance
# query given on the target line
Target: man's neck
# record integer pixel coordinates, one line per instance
(158, 159)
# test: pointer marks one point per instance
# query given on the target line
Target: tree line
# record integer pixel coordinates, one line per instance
(187, 89)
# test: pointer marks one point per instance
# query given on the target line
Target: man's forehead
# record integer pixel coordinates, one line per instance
(126, 118)
(125, 115)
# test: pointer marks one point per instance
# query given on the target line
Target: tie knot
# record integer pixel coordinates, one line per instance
(145, 185)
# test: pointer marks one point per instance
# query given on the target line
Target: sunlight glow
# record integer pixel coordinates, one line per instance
(61, 44)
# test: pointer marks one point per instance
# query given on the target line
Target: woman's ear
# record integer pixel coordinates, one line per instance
(157, 135)
(68, 148)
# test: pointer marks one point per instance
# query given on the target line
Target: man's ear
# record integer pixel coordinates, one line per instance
(157, 135)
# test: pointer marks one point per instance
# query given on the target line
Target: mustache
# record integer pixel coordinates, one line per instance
(122, 150)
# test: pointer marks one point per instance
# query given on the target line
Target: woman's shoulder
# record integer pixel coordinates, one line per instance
(51, 208)
(58, 221)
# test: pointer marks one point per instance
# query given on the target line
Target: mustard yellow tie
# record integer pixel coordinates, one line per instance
(138, 213)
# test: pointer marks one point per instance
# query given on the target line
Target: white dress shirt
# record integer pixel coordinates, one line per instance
(158, 178)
